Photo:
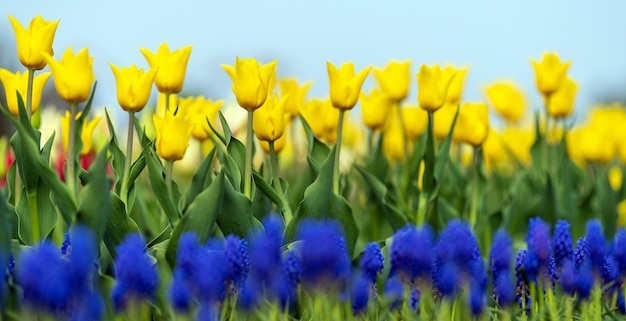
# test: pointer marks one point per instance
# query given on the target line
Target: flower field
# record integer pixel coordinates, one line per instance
(362, 205)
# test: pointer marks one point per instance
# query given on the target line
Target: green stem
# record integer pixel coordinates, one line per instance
(285, 208)
(247, 179)
(29, 93)
(129, 157)
(167, 102)
(34, 215)
(405, 139)
(70, 159)
(169, 168)
(337, 151)
(475, 194)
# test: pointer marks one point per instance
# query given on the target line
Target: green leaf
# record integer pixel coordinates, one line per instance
(235, 216)
(200, 180)
(320, 203)
(157, 181)
(46, 213)
(230, 168)
(200, 216)
(267, 190)
(236, 150)
(6, 233)
(393, 214)
(118, 225)
(318, 151)
(228, 134)
(377, 164)
(95, 197)
(118, 157)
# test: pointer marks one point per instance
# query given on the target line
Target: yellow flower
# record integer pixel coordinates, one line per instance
(375, 108)
(199, 109)
(615, 177)
(269, 120)
(519, 142)
(279, 144)
(172, 135)
(415, 121)
(133, 87)
(621, 214)
(432, 87)
(345, 86)
(507, 100)
(494, 152)
(472, 124)
(296, 94)
(32, 43)
(86, 135)
(456, 78)
(73, 75)
(18, 82)
(393, 142)
(561, 102)
(172, 67)
(443, 120)
(591, 145)
(330, 119)
(550, 73)
(395, 79)
(312, 112)
(251, 81)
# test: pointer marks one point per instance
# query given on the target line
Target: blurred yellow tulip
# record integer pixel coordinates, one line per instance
(472, 124)
(14, 83)
(561, 102)
(394, 80)
(432, 87)
(519, 142)
(393, 142)
(172, 134)
(72, 75)
(34, 41)
(199, 109)
(86, 135)
(443, 121)
(345, 85)
(507, 100)
(172, 66)
(456, 77)
(297, 94)
(375, 109)
(550, 73)
(415, 121)
(615, 177)
(269, 120)
(251, 81)
(133, 86)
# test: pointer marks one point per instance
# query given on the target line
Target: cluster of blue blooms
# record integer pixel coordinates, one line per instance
(244, 275)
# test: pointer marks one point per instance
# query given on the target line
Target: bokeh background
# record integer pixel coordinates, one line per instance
(495, 38)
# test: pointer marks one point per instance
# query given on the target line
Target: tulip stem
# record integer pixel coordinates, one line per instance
(70, 158)
(405, 145)
(129, 157)
(29, 93)
(475, 195)
(169, 169)
(167, 102)
(247, 179)
(285, 208)
(338, 149)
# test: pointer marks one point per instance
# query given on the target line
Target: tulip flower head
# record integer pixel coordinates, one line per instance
(269, 120)
(14, 83)
(432, 87)
(172, 66)
(199, 109)
(415, 121)
(550, 73)
(395, 79)
(251, 81)
(133, 86)
(172, 134)
(72, 75)
(456, 77)
(297, 94)
(345, 86)
(561, 102)
(34, 41)
(507, 100)
(86, 135)
(375, 109)
(472, 124)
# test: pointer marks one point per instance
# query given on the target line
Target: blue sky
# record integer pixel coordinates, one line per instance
(496, 39)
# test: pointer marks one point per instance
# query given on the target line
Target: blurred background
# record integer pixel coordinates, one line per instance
(496, 39)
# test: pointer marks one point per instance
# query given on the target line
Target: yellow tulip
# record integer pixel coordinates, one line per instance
(297, 94)
(72, 75)
(313, 113)
(269, 120)
(393, 142)
(443, 121)
(415, 121)
(199, 109)
(456, 78)
(330, 119)
(133, 87)
(507, 100)
(251, 81)
(345, 86)
(172, 66)
(375, 108)
(395, 79)
(18, 82)
(34, 41)
(280, 143)
(621, 214)
(172, 135)
(86, 135)
(494, 151)
(591, 145)
(472, 124)
(561, 102)
(615, 177)
(432, 87)
(550, 73)
(519, 143)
